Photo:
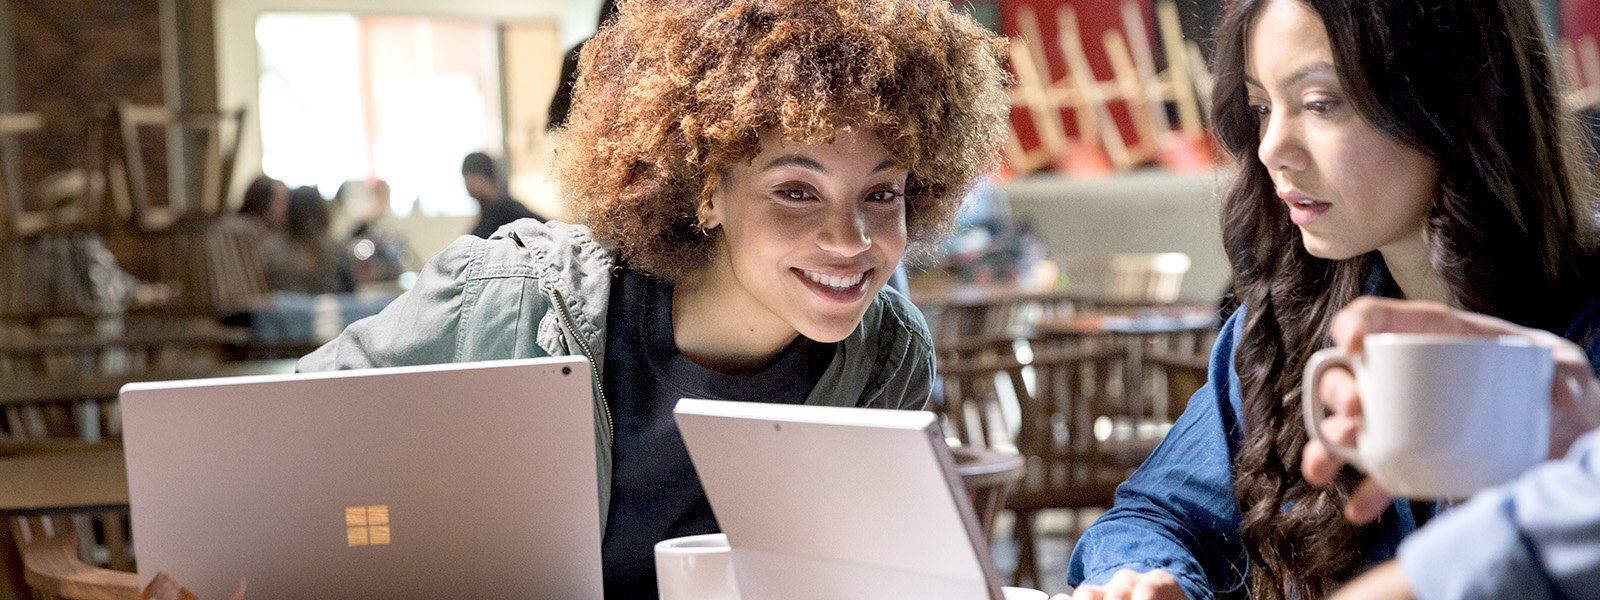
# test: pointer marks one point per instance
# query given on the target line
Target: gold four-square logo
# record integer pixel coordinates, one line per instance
(367, 525)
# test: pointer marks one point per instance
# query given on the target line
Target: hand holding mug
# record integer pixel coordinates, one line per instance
(1574, 394)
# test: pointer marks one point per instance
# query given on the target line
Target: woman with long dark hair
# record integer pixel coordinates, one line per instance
(1413, 150)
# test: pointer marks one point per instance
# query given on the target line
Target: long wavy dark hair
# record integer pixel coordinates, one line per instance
(1470, 84)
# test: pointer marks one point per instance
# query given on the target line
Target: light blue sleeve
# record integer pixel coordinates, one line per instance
(1177, 512)
(1536, 537)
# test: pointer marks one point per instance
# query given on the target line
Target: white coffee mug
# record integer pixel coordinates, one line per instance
(696, 567)
(1443, 416)
(1014, 593)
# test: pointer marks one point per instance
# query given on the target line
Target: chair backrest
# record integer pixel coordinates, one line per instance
(69, 200)
(976, 392)
(1153, 277)
(130, 179)
(1068, 466)
(1182, 376)
(66, 557)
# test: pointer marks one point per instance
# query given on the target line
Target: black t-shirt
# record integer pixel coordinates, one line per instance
(655, 493)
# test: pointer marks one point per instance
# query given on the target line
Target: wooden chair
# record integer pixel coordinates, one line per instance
(1069, 466)
(1129, 279)
(54, 550)
(1180, 377)
(975, 393)
(988, 476)
(973, 389)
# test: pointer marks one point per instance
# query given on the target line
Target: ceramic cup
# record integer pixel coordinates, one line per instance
(696, 567)
(700, 567)
(1023, 594)
(1443, 416)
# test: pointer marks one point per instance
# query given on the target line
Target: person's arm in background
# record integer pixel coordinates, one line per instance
(1537, 537)
(1174, 531)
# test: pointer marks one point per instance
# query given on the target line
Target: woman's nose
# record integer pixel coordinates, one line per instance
(845, 232)
(1282, 148)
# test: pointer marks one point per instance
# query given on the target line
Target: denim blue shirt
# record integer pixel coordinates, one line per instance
(1178, 512)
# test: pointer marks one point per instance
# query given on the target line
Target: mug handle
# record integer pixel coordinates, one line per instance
(1320, 362)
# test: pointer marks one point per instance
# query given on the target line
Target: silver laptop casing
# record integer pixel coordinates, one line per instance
(487, 471)
(837, 503)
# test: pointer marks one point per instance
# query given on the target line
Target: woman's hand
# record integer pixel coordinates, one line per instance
(1574, 397)
(1384, 582)
(1128, 585)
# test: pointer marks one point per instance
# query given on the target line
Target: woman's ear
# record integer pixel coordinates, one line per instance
(709, 216)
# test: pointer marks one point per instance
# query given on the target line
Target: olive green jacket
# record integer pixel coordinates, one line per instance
(541, 289)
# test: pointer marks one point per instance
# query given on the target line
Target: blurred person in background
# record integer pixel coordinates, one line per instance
(266, 204)
(305, 259)
(496, 206)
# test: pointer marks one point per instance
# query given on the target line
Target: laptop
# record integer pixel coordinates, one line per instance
(838, 503)
(469, 480)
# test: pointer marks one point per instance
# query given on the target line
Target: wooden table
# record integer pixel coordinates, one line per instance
(1145, 321)
(988, 475)
(60, 481)
(1171, 332)
(105, 387)
(53, 483)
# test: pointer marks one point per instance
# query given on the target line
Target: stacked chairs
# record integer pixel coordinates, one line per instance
(1099, 145)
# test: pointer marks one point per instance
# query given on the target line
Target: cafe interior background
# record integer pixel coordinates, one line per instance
(1072, 308)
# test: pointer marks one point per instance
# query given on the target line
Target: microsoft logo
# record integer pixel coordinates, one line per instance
(367, 525)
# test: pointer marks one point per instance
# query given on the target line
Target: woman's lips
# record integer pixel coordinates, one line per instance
(846, 294)
(1303, 209)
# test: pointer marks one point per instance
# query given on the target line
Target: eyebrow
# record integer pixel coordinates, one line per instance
(1315, 68)
(805, 162)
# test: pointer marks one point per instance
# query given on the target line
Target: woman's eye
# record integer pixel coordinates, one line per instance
(1259, 110)
(1319, 106)
(885, 196)
(793, 194)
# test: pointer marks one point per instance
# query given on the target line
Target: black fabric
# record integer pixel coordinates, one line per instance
(655, 494)
(561, 102)
(501, 212)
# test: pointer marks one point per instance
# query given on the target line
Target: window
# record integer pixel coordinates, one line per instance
(403, 99)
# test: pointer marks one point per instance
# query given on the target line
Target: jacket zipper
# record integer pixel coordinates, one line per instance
(594, 368)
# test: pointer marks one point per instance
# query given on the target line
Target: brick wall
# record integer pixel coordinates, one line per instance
(73, 55)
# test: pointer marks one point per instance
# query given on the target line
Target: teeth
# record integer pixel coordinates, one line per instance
(835, 282)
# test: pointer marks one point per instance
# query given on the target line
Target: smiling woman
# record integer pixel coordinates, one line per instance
(751, 172)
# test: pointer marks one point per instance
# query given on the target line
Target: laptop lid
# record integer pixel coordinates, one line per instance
(838, 503)
(458, 480)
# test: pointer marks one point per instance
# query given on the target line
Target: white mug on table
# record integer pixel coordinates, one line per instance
(700, 567)
(696, 567)
(1443, 416)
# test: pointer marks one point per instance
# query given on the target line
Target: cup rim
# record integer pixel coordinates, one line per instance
(695, 544)
(1458, 339)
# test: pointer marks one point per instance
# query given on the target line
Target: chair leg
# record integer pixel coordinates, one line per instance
(1022, 532)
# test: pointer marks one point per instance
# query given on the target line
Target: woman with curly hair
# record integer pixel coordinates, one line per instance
(751, 172)
(1412, 150)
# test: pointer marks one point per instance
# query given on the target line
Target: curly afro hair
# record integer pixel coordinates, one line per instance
(673, 92)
